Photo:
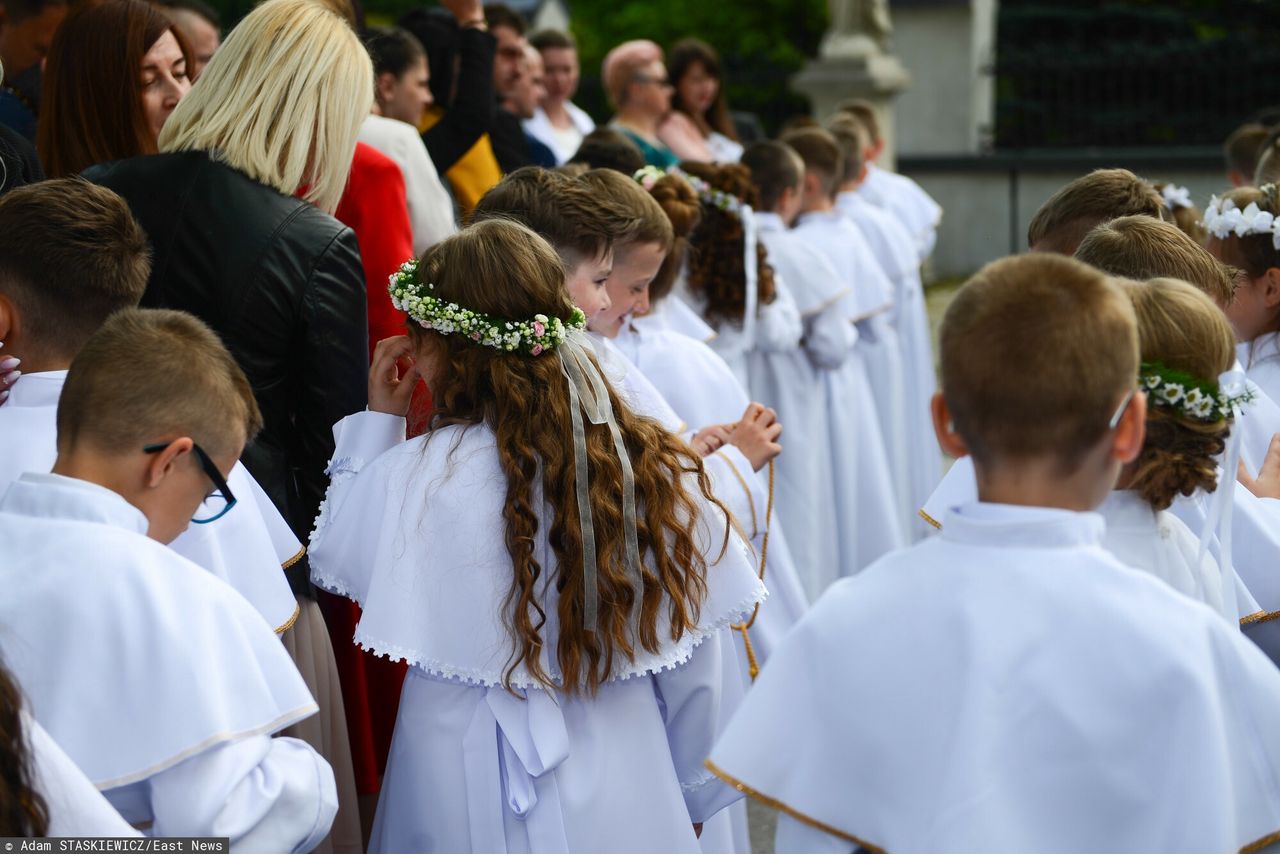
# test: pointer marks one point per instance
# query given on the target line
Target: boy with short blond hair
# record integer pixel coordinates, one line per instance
(1034, 692)
(71, 255)
(1139, 247)
(160, 681)
(1072, 212)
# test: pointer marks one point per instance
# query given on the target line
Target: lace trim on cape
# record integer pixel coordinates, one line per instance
(644, 665)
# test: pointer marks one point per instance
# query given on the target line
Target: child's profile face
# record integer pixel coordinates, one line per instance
(587, 282)
(628, 286)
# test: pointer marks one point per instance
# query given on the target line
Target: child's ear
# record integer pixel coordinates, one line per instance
(8, 317)
(951, 442)
(1271, 287)
(161, 464)
(1131, 432)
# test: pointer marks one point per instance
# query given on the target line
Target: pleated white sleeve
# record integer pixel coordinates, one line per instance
(266, 794)
(829, 337)
(690, 695)
(778, 326)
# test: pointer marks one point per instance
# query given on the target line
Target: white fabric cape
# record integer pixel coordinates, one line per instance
(907, 201)
(151, 660)
(431, 570)
(246, 548)
(76, 808)
(795, 384)
(703, 391)
(870, 511)
(895, 251)
(1253, 556)
(1009, 686)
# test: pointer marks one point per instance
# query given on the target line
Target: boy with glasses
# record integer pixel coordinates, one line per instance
(160, 681)
(71, 254)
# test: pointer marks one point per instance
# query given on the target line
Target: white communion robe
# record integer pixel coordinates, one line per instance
(795, 384)
(703, 391)
(247, 547)
(869, 504)
(75, 806)
(412, 531)
(777, 329)
(1009, 686)
(158, 680)
(430, 205)
(1165, 544)
(895, 252)
(907, 201)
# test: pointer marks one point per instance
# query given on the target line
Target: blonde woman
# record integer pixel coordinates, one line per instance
(238, 206)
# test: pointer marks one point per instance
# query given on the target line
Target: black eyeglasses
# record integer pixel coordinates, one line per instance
(218, 502)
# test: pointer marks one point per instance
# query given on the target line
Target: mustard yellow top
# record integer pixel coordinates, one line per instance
(475, 173)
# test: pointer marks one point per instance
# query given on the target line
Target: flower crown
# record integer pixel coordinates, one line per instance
(534, 337)
(1222, 218)
(727, 202)
(1175, 197)
(1188, 396)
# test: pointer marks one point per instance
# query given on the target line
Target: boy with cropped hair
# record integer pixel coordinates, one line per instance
(1072, 212)
(906, 200)
(869, 456)
(71, 255)
(161, 682)
(1036, 710)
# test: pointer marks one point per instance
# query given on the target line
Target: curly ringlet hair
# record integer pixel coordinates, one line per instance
(504, 269)
(717, 269)
(1253, 253)
(23, 811)
(1180, 327)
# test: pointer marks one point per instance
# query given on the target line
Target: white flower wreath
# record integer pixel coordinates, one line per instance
(1223, 218)
(727, 202)
(1189, 396)
(535, 337)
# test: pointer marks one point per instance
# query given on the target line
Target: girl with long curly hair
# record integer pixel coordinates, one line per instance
(553, 567)
(720, 272)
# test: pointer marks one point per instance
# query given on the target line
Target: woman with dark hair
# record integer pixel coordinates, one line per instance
(708, 135)
(114, 74)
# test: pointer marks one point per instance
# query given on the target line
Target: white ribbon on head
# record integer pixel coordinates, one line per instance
(1176, 197)
(751, 266)
(589, 393)
(1231, 385)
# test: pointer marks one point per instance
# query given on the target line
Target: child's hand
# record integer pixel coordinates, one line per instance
(756, 435)
(1267, 483)
(708, 440)
(390, 392)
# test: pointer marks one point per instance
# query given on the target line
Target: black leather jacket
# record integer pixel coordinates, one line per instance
(280, 281)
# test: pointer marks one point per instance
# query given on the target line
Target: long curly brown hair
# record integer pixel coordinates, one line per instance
(22, 809)
(717, 269)
(503, 269)
(1181, 328)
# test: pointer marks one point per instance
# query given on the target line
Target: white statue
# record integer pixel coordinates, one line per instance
(859, 28)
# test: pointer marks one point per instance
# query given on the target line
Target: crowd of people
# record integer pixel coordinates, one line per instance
(393, 460)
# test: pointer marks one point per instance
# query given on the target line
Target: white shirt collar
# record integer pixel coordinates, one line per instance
(1015, 526)
(39, 389)
(1126, 509)
(55, 496)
